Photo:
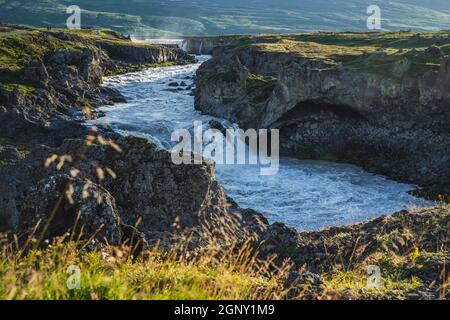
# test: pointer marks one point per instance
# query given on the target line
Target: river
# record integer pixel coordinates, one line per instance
(306, 195)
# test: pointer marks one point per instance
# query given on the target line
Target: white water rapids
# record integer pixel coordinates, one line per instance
(307, 195)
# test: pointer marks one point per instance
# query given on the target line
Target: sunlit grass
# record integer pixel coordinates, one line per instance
(112, 273)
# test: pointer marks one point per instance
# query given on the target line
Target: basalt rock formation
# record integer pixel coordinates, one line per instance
(380, 102)
(140, 184)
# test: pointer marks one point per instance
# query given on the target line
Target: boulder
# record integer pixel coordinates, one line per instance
(165, 196)
(113, 95)
(98, 215)
(433, 51)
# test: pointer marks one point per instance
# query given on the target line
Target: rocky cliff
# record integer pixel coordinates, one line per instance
(205, 45)
(381, 101)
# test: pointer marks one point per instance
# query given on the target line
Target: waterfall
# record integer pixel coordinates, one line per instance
(184, 45)
(201, 48)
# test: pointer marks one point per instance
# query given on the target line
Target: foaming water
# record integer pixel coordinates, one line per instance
(307, 195)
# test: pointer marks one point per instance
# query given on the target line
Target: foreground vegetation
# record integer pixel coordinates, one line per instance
(29, 271)
(113, 273)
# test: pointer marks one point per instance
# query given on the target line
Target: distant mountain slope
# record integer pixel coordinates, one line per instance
(203, 17)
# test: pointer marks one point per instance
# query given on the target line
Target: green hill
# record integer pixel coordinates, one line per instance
(211, 17)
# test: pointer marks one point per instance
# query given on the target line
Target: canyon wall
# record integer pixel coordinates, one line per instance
(390, 114)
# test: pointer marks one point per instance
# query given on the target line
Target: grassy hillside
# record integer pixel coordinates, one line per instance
(368, 52)
(202, 17)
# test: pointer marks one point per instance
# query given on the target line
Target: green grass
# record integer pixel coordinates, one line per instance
(371, 53)
(113, 274)
(17, 49)
(371, 39)
(6, 141)
(353, 284)
(260, 86)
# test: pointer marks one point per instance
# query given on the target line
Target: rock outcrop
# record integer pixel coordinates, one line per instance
(145, 54)
(406, 245)
(140, 183)
(420, 99)
(139, 189)
(95, 215)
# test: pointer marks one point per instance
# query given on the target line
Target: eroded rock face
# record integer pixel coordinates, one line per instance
(165, 198)
(36, 71)
(150, 188)
(378, 98)
(144, 55)
(87, 62)
(229, 85)
(414, 155)
(204, 45)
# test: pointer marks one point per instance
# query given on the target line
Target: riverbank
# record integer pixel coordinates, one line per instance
(65, 182)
